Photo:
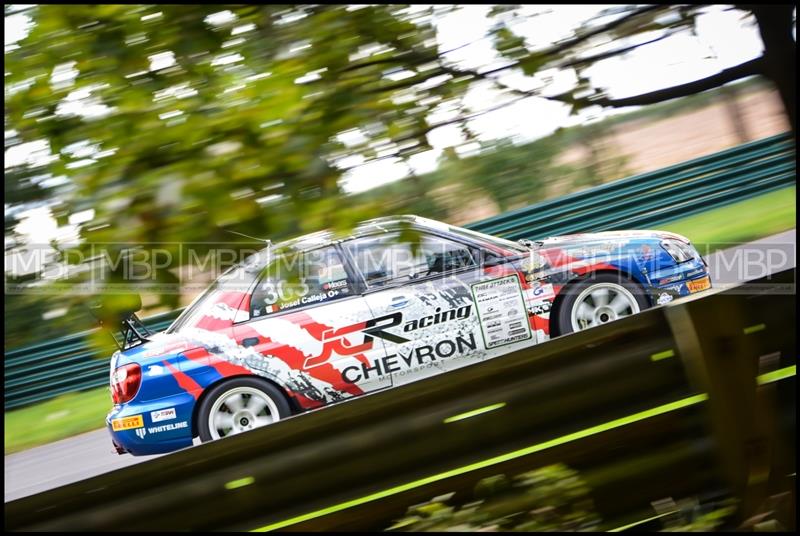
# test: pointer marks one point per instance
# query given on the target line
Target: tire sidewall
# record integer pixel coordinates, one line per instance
(573, 290)
(218, 391)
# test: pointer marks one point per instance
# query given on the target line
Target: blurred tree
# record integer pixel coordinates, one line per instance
(175, 122)
(511, 175)
(187, 119)
(603, 161)
(650, 24)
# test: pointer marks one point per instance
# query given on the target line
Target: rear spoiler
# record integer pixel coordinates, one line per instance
(117, 315)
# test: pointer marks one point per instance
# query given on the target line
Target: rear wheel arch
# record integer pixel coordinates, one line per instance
(293, 406)
(555, 329)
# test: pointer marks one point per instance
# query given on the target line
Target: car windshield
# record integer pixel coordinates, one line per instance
(501, 243)
(237, 279)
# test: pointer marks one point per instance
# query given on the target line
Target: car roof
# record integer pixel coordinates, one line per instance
(368, 227)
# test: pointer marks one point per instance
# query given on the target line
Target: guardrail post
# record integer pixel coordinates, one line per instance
(721, 361)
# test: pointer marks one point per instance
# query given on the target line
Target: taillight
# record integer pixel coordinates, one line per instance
(125, 382)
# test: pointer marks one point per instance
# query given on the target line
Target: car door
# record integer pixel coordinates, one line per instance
(308, 329)
(429, 291)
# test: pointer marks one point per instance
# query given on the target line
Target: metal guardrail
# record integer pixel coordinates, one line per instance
(660, 404)
(63, 365)
(657, 197)
(42, 371)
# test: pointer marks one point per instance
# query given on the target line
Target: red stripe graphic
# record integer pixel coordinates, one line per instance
(184, 381)
(296, 358)
(221, 365)
(538, 322)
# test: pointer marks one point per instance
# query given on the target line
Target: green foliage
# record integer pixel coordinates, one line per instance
(197, 112)
(546, 499)
(506, 174)
(554, 498)
(175, 123)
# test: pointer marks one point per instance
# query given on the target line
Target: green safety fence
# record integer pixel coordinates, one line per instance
(657, 197)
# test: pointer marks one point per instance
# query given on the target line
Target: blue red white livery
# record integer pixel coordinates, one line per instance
(319, 320)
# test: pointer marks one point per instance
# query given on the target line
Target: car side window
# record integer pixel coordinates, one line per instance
(386, 259)
(294, 280)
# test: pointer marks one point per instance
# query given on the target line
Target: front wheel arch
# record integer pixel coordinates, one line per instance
(555, 329)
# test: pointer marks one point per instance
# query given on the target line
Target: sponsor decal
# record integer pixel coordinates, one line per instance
(504, 294)
(334, 341)
(664, 298)
(677, 289)
(163, 415)
(541, 308)
(432, 364)
(335, 284)
(440, 317)
(168, 427)
(141, 432)
(127, 423)
(403, 360)
(670, 279)
(699, 284)
(311, 298)
(539, 292)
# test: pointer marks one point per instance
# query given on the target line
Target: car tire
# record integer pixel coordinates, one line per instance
(599, 299)
(239, 405)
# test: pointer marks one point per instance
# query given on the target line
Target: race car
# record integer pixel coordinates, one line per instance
(322, 319)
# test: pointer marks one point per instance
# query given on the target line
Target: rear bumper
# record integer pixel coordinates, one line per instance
(152, 427)
(119, 448)
(141, 448)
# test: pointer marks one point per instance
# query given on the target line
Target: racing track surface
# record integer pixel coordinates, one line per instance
(90, 454)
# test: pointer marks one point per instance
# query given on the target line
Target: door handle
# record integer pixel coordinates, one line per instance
(249, 341)
(398, 302)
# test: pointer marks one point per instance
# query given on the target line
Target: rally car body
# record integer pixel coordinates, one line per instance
(359, 324)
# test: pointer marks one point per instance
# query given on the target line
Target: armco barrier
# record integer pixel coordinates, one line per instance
(660, 404)
(63, 365)
(657, 197)
(642, 201)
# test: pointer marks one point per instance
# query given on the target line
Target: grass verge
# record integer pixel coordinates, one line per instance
(724, 227)
(740, 222)
(55, 419)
